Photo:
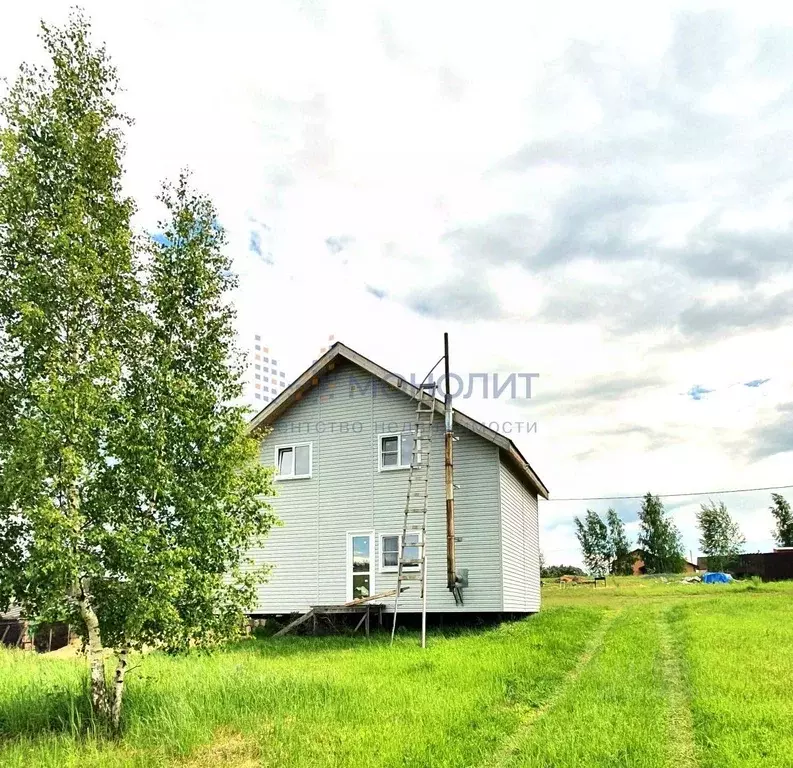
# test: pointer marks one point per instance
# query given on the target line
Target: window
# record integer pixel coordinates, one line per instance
(266, 359)
(274, 380)
(258, 376)
(258, 386)
(266, 399)
(396, 451)
(259, 357)
(258, 367)
(283, 384)
(293, 461)
(258, 347)
(257, 337)
(360, 565)
(283, 375)
(266, 369)
(258, 396)
(275, 362)
(389, 552)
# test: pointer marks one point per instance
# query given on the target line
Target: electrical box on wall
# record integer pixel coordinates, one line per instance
(462, 577)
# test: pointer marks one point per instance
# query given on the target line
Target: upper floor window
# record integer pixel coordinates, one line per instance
(258, 347)
(395, 451)
(293, 461)
(257, 337)
(275, 362)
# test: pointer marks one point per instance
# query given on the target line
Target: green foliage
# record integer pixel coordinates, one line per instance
(721, 539)
(68, 294)
(566, 687)
(593, 536)
(622, 562)
(783, 531)
(129, 487)
(303, 701)
(659, 538)
(555, 571)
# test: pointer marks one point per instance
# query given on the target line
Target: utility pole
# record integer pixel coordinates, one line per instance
(451, 574)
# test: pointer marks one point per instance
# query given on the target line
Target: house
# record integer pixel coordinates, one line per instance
(15, 632)
(639, 568)
(340, 437)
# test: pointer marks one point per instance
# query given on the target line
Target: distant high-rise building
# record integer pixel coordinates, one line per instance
(264, 378)
(323, 350)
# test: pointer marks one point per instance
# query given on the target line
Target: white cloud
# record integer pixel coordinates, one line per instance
(607, 186)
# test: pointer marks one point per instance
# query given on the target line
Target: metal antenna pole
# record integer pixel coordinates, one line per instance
(451, 568)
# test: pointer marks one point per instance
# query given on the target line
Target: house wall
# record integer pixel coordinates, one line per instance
(347, 493)
(520, 543)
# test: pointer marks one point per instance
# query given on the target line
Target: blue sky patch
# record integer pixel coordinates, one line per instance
(696, 392)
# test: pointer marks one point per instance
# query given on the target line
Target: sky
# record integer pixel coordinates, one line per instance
(600, 195)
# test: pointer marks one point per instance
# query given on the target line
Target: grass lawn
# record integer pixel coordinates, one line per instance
(642, 673)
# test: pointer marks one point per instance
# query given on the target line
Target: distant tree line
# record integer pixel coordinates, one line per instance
(555, 571)
(605, 548)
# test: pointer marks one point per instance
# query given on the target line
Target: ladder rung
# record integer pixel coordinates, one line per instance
(413, 528)
(416, 561)
(411, 576)
(414, 545)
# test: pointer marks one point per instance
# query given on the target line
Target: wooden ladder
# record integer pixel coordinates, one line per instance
(413, 544)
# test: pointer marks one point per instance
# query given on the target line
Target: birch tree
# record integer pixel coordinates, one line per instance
(783, 518)
(129, 487)
(720, 536)
(622, 562)
(659, 538)
(593, 536)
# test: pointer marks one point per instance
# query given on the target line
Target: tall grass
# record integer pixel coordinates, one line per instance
(615, 713)
(739, 663)
(641, 674)
(303, 701)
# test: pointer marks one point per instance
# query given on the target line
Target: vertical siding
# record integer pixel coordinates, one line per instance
(347, 494)
(520, 544)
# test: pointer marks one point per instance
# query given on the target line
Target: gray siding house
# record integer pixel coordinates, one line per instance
(340, 439)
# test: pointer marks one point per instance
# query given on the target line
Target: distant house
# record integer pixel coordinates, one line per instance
(639, 568)
(341, 438)
(776, 565)
(15, 632)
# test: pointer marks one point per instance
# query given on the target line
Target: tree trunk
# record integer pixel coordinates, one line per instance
(96, 657)
(118, 690)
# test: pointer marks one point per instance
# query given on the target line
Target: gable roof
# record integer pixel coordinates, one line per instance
(328, 361)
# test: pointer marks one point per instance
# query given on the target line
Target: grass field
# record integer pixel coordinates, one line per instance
(642, 673)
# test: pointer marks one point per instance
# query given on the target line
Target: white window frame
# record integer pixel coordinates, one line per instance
(348, 562)
(392, 568)
(280, 447)
(398, 435)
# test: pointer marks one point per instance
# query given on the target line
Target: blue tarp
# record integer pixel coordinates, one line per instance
(716, 578)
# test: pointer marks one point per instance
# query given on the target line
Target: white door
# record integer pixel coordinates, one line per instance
(360, 565)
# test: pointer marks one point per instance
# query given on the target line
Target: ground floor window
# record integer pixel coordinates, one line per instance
(390, 549)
